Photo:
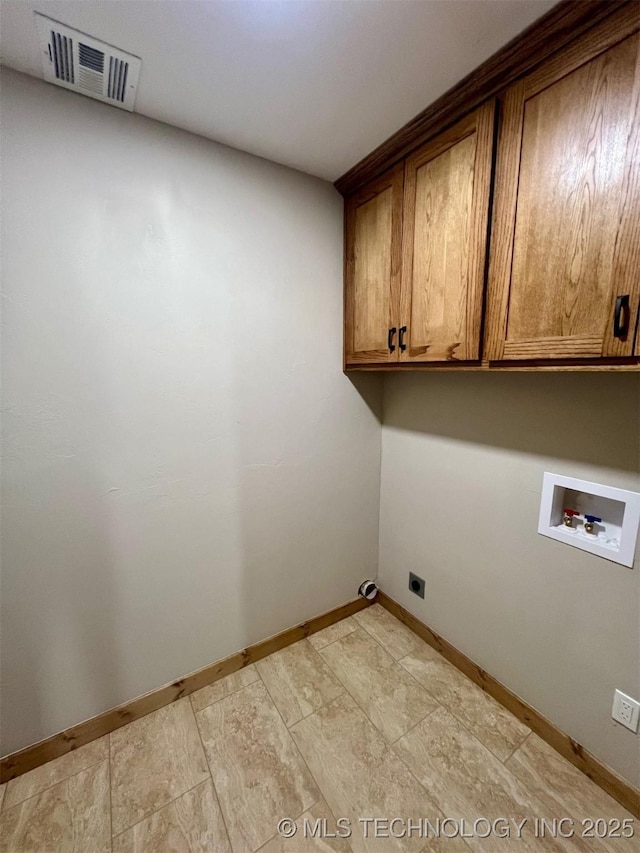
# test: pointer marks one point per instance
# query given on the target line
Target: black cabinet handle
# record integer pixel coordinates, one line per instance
(390, 342)
(621, 317)
(401, 342)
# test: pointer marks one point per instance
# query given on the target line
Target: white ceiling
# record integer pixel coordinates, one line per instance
(313, 84)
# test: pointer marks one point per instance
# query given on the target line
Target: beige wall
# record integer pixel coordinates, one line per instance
(187, 470)
(462, 462)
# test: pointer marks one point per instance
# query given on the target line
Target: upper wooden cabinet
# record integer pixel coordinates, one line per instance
(373, 245)
(415, 252)
(565, 268)
(562, 284)
(446, 208)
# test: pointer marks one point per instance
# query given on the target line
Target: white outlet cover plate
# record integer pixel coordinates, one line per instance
(626, 710)
(550, 519)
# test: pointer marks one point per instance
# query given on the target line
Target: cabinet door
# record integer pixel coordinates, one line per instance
(446, 210)
(372, 272)
(565, 267)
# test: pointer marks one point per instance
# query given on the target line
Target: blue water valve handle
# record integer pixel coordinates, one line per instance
(589, 523)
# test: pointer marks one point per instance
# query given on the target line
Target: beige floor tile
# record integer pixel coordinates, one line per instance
(395, 637)
(55, 771)
(313, 830)
(298, 680)
(389, 696)
(153, 761)
(468, 782)
(70, 817)
(568, 792)
(219, 689)
(257, 771)
(333, 632)
(358, 774)
(191, 824)
(492, 724)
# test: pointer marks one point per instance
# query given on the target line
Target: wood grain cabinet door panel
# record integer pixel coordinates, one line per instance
(372, 273)
(446, 210)
(566, 231)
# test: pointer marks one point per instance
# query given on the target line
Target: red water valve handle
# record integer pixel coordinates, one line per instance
(570, 512)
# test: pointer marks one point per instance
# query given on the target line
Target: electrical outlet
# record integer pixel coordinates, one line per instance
(626, 710)
(416, 584)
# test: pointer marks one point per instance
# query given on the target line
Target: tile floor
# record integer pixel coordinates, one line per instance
(362, 720)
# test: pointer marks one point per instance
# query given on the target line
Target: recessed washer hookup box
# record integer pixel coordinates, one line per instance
(596, 518)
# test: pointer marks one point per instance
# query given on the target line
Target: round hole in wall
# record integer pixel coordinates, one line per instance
(415, 586)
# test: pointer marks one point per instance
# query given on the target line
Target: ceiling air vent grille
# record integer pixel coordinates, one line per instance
(83, 64)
